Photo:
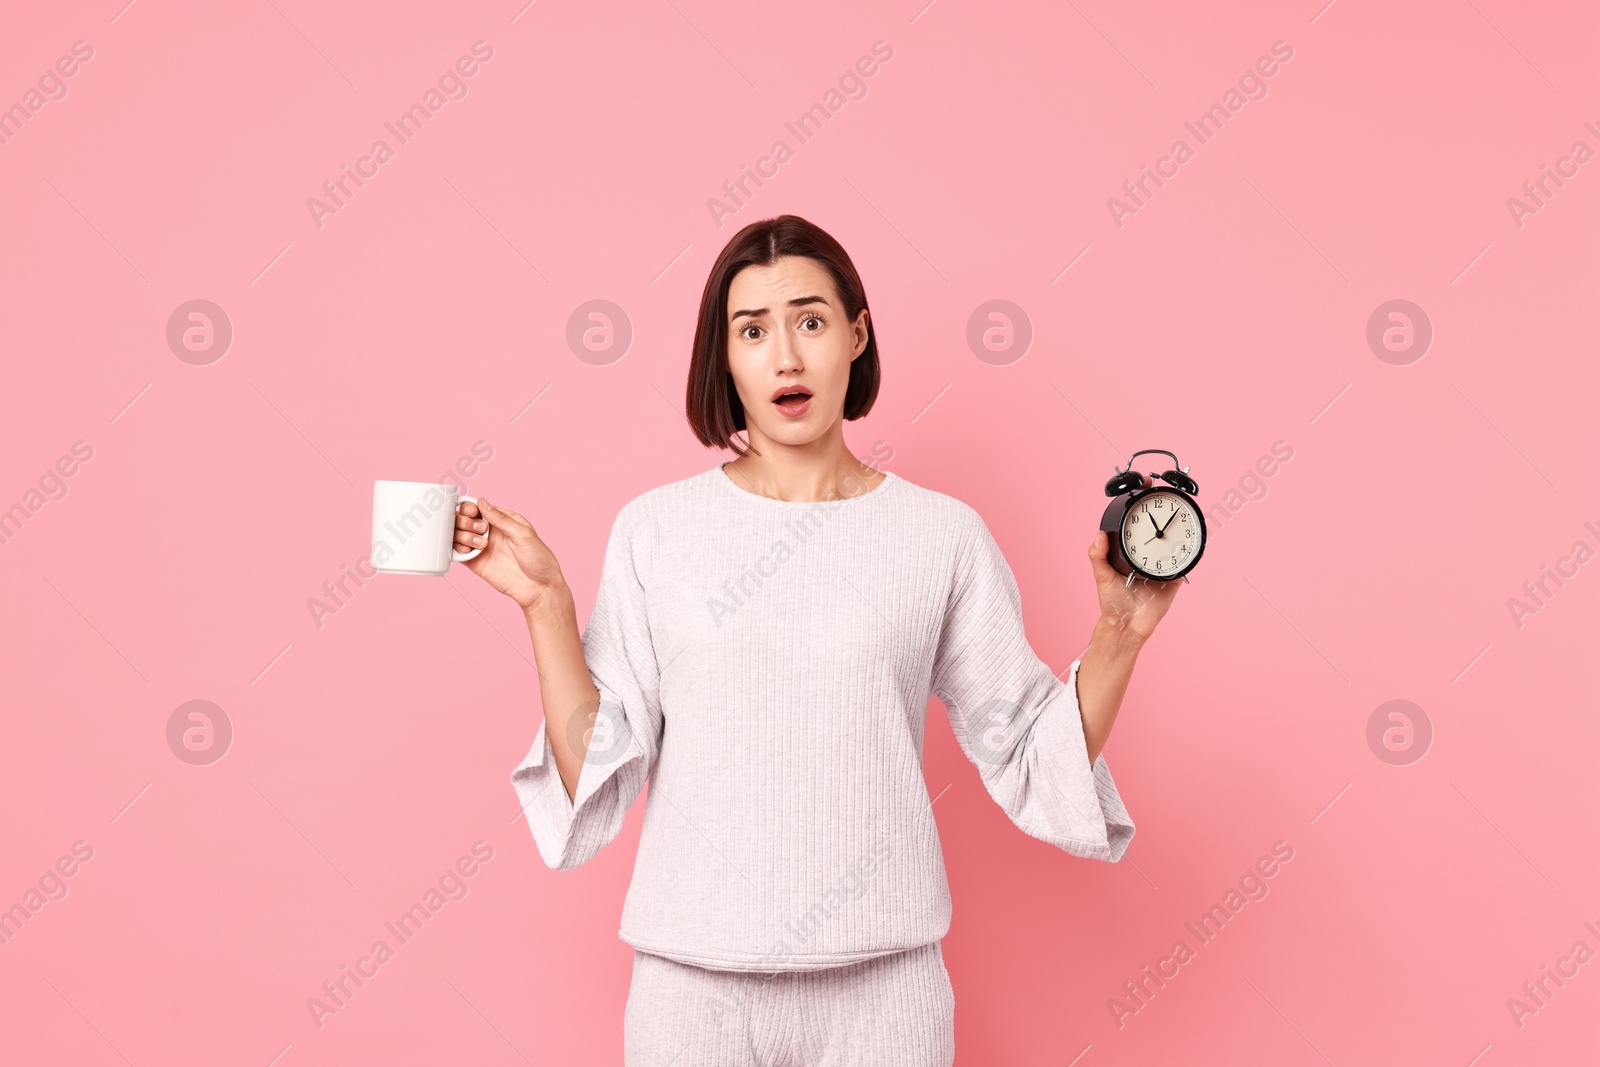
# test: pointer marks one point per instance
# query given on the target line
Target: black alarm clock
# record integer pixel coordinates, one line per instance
(1157, 532)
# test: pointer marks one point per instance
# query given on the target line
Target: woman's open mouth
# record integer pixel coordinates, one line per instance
(793, 401)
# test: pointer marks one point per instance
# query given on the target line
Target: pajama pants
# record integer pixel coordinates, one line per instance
(889, 1011)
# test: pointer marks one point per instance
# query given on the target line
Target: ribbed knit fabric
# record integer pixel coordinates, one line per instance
(767, 665)
(896, 1010)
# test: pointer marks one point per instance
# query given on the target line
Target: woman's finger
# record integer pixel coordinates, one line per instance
(496, 516)
(507, 519)
(470, 522)
(508, 523)
(1099, 549)
(518, 516)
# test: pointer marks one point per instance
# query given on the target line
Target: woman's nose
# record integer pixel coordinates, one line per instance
(788, 356)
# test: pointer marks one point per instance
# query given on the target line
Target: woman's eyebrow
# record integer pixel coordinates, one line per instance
(796, 302)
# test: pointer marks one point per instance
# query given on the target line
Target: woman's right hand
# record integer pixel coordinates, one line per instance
(514, 560)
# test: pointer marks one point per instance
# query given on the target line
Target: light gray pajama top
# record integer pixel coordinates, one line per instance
(767, 664)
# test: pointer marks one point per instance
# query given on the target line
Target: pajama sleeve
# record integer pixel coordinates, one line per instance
(626, 728)
(1015, 720)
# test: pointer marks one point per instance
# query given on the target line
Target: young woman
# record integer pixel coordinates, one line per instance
(762, 648)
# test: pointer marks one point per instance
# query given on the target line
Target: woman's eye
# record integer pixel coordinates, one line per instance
(813, 318)
(746, 332)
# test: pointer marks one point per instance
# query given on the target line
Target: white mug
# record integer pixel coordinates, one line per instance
(414, 528)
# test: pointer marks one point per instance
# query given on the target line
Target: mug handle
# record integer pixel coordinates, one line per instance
(462, 557)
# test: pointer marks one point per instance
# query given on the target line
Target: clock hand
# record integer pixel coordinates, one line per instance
(1158, 529)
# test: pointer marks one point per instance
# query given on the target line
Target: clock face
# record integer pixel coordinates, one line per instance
(1162, 533)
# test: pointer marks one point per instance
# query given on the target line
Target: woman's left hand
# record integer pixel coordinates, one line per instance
(1129, 612)
(1135, 609)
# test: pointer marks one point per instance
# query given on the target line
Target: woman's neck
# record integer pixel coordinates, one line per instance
(794, 477)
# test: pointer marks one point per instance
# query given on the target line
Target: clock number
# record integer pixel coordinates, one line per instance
(1157, 503)
(1160, 565)
(1135, 517)
(1189, 532)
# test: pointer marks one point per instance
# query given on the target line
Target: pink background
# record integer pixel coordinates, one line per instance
(1229, 313)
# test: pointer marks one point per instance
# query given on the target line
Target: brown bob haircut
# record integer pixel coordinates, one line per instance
(713, 405)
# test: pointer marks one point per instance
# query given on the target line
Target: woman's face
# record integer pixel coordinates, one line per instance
(787, 332)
